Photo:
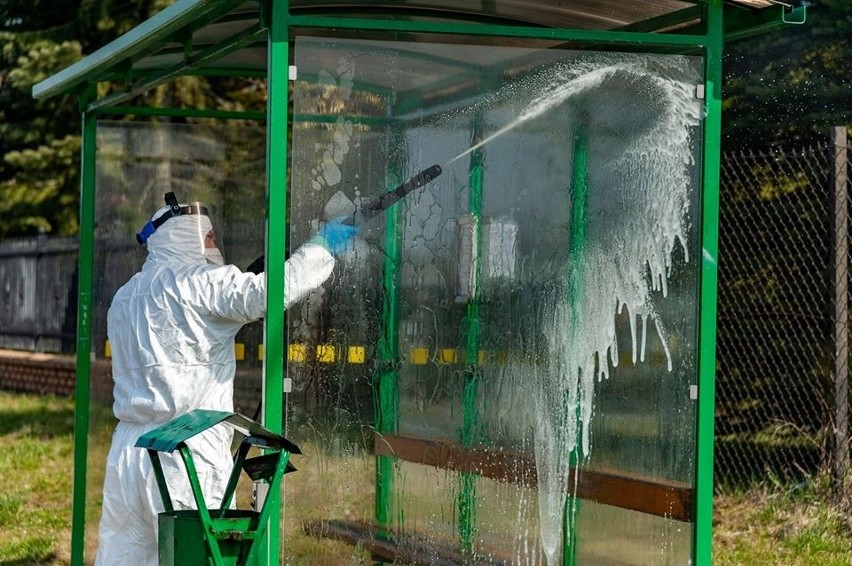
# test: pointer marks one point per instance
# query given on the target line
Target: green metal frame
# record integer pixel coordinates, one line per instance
(180, 113)
(709, 230)
(711, 43)
(577, 228)
(525, 32)
(473, 335)
(276, 242)
(84, 335)
(716, 22)
(269, 468)
(387, 375)
(213, 53)
(171, 22)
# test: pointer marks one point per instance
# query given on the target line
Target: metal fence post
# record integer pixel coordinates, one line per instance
(841, 302)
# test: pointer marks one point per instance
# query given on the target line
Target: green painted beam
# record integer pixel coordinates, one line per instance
(161, 26)
(181, 50)
(85, 270)
(333, 118)
(705, 414)
(231, 115)
(576, 247)
(241, 72)
(278, 61)
(411, 13)
(471, 417)
(610, 37)
(199, 59)
(181, 113)
(387, 376)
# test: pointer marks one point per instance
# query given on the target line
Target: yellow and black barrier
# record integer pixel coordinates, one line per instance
(330, 354)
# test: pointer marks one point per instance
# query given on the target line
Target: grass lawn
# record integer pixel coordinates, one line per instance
(36, 458)
(789, 526)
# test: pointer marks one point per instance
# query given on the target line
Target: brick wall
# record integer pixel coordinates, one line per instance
(37, 373)
(54, 374)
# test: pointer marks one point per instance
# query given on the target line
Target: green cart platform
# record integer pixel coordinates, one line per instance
(222, 536)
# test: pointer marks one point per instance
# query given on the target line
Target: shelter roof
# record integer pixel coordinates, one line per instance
(231, 36)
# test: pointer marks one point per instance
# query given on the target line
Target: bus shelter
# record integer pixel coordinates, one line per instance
(515, 363)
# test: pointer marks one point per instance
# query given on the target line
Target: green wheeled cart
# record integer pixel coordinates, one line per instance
(222, 536)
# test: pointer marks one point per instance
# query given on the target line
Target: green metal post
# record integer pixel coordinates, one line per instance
(576, 35)
(84, 335)
(157, 466)
(200, 505)
(473, 332)
(388, 352)
(709, 275)
(126, 111)
(239, 460)
(278, 61)
(577, 229)
(275, 485)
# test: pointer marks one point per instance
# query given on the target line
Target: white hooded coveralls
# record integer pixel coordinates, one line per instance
(171, 330)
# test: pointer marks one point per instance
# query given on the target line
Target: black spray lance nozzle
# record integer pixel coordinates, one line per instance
(377, 205)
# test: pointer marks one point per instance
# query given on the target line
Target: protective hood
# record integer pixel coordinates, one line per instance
(179, 239)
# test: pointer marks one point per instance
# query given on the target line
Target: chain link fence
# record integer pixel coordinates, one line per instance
(782, 385)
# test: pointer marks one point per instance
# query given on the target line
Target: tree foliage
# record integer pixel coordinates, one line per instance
(792, 85)
(40, 140)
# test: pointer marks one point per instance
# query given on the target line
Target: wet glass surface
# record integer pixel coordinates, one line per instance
(530, 311)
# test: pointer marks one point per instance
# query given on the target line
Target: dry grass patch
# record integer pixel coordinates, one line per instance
(789, 526)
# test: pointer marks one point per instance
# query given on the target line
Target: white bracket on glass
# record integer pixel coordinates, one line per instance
(699, 92)
(293, 72)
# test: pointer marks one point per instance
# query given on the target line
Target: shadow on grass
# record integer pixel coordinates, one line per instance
(36, 560)
(34, 551)
(743, 462)
(44, 422)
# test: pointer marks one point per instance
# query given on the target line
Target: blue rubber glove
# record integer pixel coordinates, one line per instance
(335, 236)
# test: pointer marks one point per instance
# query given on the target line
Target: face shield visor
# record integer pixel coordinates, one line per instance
(191, 231)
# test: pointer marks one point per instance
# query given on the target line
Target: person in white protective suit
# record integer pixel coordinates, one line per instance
(171, 329)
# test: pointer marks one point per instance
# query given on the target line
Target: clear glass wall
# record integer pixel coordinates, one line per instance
(137, 163)
(503, 365)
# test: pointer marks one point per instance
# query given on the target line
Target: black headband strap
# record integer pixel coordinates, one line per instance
(171, 200)
(181, 210)
(175, 209)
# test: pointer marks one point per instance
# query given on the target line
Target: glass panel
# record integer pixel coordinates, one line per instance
(530, 311)
(137, 163)
(618, 537)
(333, 334)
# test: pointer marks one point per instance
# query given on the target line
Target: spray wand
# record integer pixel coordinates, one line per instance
(377, 205)
(374, 206)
